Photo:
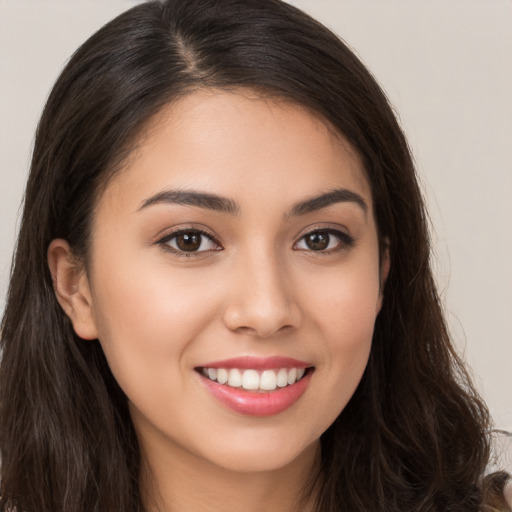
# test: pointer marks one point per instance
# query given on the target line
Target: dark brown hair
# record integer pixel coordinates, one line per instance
(413, 436)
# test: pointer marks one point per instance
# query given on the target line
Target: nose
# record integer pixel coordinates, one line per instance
(262, 300)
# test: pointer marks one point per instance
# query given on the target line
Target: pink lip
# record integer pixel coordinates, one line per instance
(258, 363)
(252, 403)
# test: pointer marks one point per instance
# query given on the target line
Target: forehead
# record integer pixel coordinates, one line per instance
(231, 142)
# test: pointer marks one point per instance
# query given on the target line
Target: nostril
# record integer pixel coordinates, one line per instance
(262, 320)
(262, 332)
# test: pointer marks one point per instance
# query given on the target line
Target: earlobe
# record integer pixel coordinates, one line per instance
(71, 287)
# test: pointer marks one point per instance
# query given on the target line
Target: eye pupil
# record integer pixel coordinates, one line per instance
(188, 241)
(317, 241)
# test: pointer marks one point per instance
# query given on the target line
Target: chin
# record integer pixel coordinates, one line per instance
(264, 456)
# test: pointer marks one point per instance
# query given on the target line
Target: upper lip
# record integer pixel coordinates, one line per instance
(258, 363)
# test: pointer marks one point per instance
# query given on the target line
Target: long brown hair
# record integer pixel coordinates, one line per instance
(413, 436)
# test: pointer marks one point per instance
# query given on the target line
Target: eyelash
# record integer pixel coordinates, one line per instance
(345, 241)
(165, 240)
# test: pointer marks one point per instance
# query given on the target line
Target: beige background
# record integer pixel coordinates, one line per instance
(446, 66)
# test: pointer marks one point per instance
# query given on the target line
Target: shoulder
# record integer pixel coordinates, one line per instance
(507, 494)
(501, 442)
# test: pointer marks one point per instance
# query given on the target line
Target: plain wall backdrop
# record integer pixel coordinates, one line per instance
(446, 66)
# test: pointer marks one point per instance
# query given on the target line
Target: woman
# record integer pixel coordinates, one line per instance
(222, 297)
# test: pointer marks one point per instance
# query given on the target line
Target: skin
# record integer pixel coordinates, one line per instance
(258, 290)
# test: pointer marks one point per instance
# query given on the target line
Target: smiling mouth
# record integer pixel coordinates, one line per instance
(255, 380)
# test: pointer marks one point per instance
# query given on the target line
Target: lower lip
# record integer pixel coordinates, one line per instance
(252, 403)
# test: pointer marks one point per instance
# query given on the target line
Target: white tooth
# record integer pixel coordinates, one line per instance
(222, 376)
(235, 378)
(268, 380)
(300, 373)
(212, 373)
(282, 378)
(250, 379)
(292, 376)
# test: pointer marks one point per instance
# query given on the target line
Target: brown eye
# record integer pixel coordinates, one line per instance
(190, 241)
(324, 240)
(317, 241)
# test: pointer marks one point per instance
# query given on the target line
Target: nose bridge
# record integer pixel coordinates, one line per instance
(262, 301)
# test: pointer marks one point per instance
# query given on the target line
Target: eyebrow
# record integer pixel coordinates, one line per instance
(339, 195)
(193, 198)
(226, 205)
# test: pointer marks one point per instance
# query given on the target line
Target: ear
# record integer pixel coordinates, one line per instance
(385, 264)
(72, 290)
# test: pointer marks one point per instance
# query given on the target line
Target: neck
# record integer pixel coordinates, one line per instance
(187, 482)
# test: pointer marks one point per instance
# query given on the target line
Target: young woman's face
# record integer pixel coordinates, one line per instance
(238, 243)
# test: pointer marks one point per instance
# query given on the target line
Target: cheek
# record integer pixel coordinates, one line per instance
(344, 310)
(345, 302)
(146, 317)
